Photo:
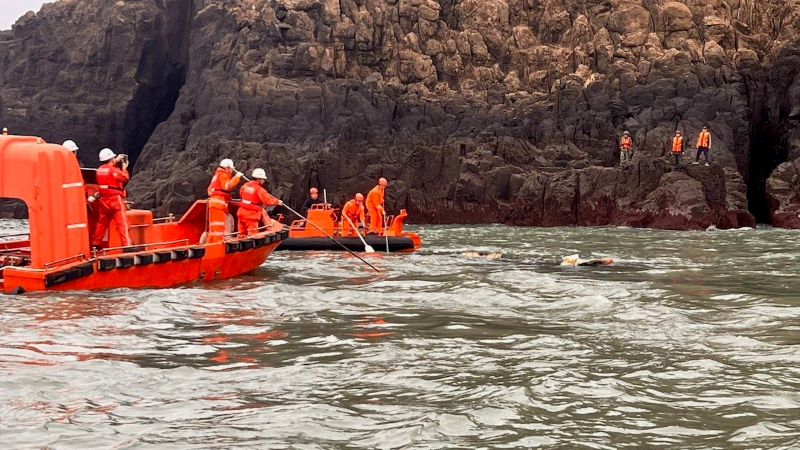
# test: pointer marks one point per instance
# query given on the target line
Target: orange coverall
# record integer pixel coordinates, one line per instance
(355, 211)
(111, 181)
(375, 207)
(254, 197)
(219, 192)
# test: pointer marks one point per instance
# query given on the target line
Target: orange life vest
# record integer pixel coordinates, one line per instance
(354, 210)
(220, 184)
(704, 140)
(111, 180)
(677, 144)
(625, 142)
(250, 196)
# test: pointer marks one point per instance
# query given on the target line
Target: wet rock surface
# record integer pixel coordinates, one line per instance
(477, 111)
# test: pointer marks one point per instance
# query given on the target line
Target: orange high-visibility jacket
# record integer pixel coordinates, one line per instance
(254, 196)
(704, 140)
(222, 184)
(354, 210)
(375, 198)
(677, 144)
(111, 180)
(625, 143)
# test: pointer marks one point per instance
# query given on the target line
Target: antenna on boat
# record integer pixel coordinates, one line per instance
(325, 195)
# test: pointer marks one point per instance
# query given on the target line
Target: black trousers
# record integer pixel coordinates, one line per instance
(704, 151)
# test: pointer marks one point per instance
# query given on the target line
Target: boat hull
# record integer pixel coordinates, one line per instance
(396, 243)
(150, 269)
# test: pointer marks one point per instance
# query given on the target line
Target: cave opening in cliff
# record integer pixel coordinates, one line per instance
(160, 75)
(768, 149)
(153, 102)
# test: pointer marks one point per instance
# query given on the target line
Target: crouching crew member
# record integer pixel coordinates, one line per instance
(111, 180)
(254, 198)
(354, 210)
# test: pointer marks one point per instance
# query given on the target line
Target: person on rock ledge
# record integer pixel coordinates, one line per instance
(703, 144)
(677, 147)
(625, 146)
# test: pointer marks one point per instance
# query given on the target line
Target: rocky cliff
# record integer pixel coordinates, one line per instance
(476, 110)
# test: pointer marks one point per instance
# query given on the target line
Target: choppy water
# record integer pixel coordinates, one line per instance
(689, 341)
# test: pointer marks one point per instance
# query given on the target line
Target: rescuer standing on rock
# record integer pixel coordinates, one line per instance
(219, 192)
(313, 199)
(375, 206)
(625, 146)
(111, 181)
(677, 147)
(254, 198)
(703, 144)
(353, 209)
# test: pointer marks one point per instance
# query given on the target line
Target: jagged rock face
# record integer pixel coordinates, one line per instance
(477, 111)
(84, 69)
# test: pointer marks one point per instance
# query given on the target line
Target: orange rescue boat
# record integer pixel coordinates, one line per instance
(56, 255)
(305, 236)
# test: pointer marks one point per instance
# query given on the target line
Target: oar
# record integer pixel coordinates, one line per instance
(330, 237)
(367, 248)
(384, 231)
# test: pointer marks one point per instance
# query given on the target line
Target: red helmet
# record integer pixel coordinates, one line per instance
(313, 190)
(383, 182)
(359, 197)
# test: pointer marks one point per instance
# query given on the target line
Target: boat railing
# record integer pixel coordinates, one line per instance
(170, 218)
(148, 245)
(269, 227)
(79, 256)
(6, 236)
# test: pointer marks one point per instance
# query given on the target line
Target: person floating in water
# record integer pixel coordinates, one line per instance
(575, 260)
(487, 255)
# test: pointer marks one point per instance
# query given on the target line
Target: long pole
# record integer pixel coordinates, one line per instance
(330, 237)
(367, 248)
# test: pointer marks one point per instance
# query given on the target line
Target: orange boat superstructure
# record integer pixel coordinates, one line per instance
(56, 254)
(305, 236)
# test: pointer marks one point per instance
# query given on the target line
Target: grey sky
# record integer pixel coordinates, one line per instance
(11, 10)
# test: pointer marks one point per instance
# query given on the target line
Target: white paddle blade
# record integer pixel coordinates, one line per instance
(368, 248)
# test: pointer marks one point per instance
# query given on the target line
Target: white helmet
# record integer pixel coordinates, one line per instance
(106, 154)
(259, 174)
(70, 145)
(226, 164)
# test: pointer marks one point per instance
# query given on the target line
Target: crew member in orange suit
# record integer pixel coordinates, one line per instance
(375, 206)
(111, 181)
(353, 209)
(219, 192)
(254, 198)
